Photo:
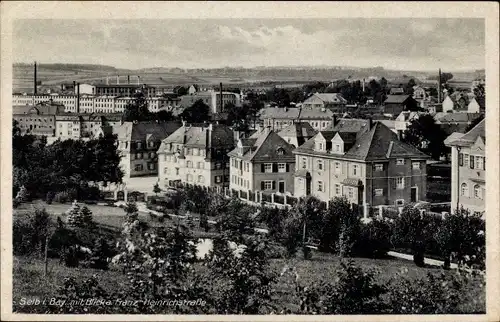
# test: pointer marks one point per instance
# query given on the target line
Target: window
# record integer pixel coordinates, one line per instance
(479, 163)
(218, 179)
(351, 193)
(151, 166)
(201, 179)
(189, 164)
(151, 144)
(176, 171)
(152, 155)
(189, 177)
(355, 170)
(400, 183)
(477, 192)
(138, 156)
(465, 161)
(217, 165)
(400, 161)
(400, 202)
(188, 151)
(196, 151)
(337, 167)
(280, 151)
(281, 167)
(201, 165)
(471, 162)
(166, 171)
(268, 185)
(320, 146)
(379, 192)
(464, 190)
(139, 145)
(337, 148)
(337, 189)
(268, 167)
(320, 164)
(304, 163)
(379, 167)
(415, 165)
(320, 185)
(138, 167)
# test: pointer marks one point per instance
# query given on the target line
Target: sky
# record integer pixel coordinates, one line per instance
(400, 43)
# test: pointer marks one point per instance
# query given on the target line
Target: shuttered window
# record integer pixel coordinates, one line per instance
(471, 162)
(460, 159)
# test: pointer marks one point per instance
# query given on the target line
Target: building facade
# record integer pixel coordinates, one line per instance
(138, 143)
(395, 104)
(324, 100)
(468, 166)
(212, 99)
(279, 118)
(368, 165)
(196, 154)
(297, 133)
(37, 120)
(263, 162)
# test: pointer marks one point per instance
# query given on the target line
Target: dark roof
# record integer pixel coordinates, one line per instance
(45, 109)
(266, 145)
(196, 136)
(458, 117)
(351, 125)
(379, 143)
(298, 129)
(348, 137)
(141, 130)
(396, 99)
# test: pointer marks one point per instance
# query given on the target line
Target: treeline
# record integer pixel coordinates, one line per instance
(65, 167)
(161, 265)
(70, 67)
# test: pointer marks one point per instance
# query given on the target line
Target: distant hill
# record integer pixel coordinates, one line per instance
(70, 67)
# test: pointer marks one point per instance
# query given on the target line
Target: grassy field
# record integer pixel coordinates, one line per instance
(29, 281)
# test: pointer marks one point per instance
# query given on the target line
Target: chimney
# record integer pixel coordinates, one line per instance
(74, 87)
(117, 80)
(335, 119)
(221, 106)
(439, 87)
(78, 98)
(128, 79)
(34, 80)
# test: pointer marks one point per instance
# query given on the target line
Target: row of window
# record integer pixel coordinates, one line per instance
(355, 169)
(274, 167)
(472, 161)
(478, 193)
(140, 167)
(140, 155)
(400, 184)
(240, 181)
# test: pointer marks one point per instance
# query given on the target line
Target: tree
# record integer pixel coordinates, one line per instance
(199, 112)
(349, 228)
(131, 212)
(137, 109)
(308, 212)
(236, 221)
(86, 216)
(426, 135)
(408, 89)
(461, 234)
(156, 189)
(445, 77)
(163, 116)
(474, 122)
(414, 231)
(75, 215)
(237, 117)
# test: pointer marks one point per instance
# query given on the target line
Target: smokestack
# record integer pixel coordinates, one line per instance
(363, 85)
(34, 80)
(78, 98)
(128, 79)
(439, 87)
(138, 80)
(221, 106)
(117, 80)
(74, 87)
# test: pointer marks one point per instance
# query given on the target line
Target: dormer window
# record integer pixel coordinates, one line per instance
(400, 161)
(280, 151)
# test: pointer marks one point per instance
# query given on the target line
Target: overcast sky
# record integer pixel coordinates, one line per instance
(406, 44)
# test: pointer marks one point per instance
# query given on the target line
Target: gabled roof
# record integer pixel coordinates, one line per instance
(331, 97)
(280, 113)
(351, 125)
(196, 136)
(457, 117)
(265, 147)
(314, 113)
(397, 90)
(470, 137)
(396, 99)
(347, 137)
(379, 143)
(140, 130)
(298, 129)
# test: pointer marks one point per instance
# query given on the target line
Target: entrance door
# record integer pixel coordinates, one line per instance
(414, 196)
(281, 186)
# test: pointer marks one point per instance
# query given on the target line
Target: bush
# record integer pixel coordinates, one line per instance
(62, 197)
(100, 254)
(374, 239)
(49, 197)
(29, 233)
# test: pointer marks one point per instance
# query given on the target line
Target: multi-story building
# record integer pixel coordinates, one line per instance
(279, 118)
(212, 99)
(363, 161)
(422, 96)
(262, 162)
(37, 120)
(68, 126)
(196, 154)
(455, 122)
(297, 133)
(138, 143)
(404, 120)
(69, 101)
(124, 89)
(324, 100)
(468, 167)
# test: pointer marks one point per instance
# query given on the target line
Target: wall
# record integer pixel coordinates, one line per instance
(259, 176)
(471, 177)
